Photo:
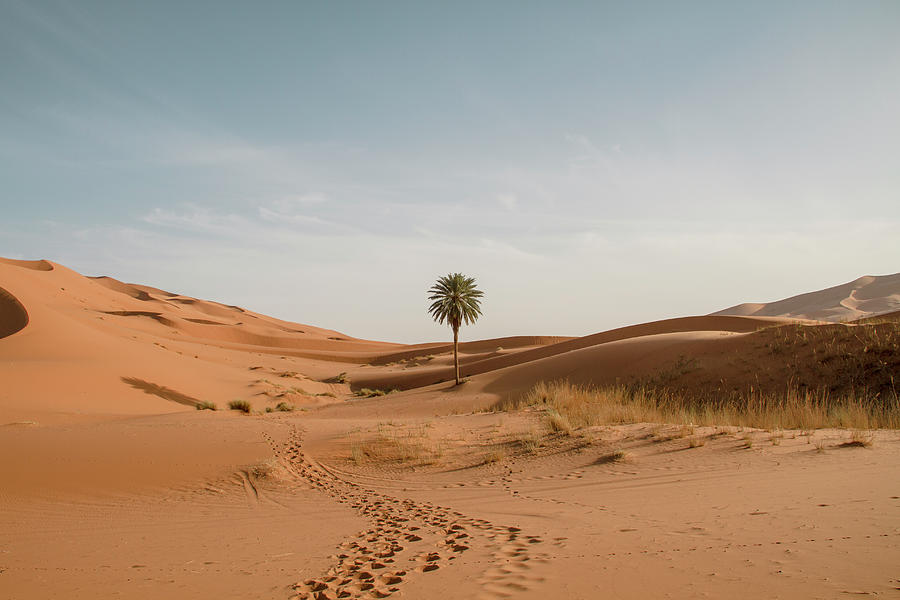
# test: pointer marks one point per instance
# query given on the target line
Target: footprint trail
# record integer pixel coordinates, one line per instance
(406, 539)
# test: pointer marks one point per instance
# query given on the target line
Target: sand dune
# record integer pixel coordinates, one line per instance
(864, 297)
(114, 483)
(688, 325)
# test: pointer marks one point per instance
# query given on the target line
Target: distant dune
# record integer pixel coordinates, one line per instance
(868, 296)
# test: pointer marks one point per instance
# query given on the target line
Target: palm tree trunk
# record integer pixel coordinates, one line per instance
(456, 352)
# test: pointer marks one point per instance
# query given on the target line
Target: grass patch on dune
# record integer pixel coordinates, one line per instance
(369, 393)
(528, 441)
(579, 406)
(558, 423)
(842, 358)
(617, 455)
(206, 406)
(395, 448)
(241, 405)
(859, 439)
(341, 377)
(493, 457)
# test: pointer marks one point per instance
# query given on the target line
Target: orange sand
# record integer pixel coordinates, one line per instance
(114, 485)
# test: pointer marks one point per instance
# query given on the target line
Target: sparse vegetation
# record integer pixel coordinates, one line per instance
(696, 442)
(614, 456)
(528, 441)
(859, 439)
(852, 359)
(558, 423)
(284, 407)
(205, 405)
(685, 431)
(341, 377)
(369, 393)
(494, 456)
(241, 405)
(793, 409)
(390, 445)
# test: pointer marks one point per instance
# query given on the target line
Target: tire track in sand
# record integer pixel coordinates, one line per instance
(407, 538)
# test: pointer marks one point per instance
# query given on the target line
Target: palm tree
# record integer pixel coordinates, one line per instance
(455, 300)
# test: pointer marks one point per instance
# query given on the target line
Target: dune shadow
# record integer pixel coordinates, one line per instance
(13, 316)
(142, 313)
(205, 321)
(161, 391)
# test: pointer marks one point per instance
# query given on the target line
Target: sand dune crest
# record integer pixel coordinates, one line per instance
(34, 265)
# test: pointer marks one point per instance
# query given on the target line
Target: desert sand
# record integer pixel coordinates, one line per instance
(115, 485)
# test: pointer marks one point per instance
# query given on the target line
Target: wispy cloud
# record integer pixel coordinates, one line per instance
(197, 219)
(508, 201)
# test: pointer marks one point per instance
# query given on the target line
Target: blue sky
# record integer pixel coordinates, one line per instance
(592, 164)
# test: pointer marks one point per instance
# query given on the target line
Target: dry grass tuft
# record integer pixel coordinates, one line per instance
(558, 423)
(369, 393)
(685, 431)
(617, 455)
(696, 442)
(206, 406)
(241, 405)
(341, 377)
(492, 457)
(528, 441)
(859, 439)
